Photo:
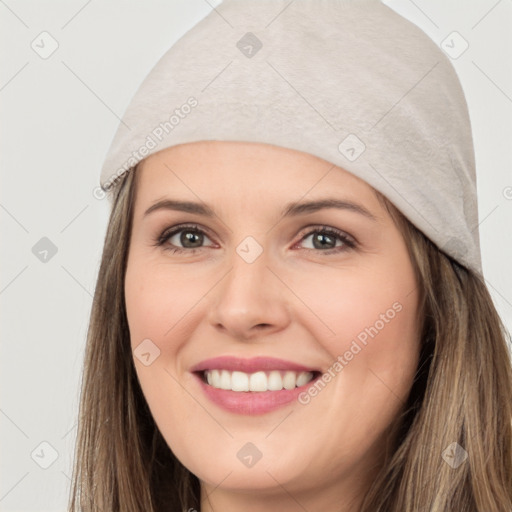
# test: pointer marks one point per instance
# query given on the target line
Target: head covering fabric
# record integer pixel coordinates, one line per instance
(349, 81)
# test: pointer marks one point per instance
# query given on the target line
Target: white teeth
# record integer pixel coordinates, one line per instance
(225, 380)
(289, 380)
(275, 381)
(258, 381)
(239, 381)
(303, 378)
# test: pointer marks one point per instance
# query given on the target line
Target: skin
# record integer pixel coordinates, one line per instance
(294, 302)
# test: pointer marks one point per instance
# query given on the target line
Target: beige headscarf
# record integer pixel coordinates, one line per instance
(349, 81)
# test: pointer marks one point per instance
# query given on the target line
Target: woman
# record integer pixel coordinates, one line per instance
(290, 311)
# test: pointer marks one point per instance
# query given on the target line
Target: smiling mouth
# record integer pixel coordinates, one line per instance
(260, 381)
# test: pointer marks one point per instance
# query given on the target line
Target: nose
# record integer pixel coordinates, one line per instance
(250, 301)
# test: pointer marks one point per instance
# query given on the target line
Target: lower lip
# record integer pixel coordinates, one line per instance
(251, 402)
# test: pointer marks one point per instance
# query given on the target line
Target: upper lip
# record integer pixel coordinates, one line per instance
(250, 365)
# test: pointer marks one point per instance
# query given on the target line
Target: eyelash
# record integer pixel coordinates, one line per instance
(348, 242)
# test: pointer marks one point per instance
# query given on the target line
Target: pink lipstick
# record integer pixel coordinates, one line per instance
(253, 386)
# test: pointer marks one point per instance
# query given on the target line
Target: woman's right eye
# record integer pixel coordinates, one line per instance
(190, 238)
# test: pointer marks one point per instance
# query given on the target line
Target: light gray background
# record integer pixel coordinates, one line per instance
(59, 115)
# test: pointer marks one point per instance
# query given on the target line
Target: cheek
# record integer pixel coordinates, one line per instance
(159, 299)
(367, 324)
(374, 307)
(159, 305)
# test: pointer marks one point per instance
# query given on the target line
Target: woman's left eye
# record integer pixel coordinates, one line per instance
(325, 239)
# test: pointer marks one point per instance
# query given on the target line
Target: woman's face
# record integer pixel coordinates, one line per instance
(234, 256)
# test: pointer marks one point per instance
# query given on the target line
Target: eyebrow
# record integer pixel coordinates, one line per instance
(290, 210)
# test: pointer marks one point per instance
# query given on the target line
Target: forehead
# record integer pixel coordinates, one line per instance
(231, 169)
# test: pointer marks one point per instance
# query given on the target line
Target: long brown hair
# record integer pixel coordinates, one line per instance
(462, 394)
